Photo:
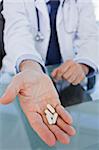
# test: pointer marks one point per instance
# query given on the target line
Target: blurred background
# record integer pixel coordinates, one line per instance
(85, 115)
(95, 93)
(96, 5)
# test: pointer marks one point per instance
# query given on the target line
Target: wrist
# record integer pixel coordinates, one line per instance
(30, 65)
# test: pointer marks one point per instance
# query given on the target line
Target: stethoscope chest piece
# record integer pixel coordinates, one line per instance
(39, 37)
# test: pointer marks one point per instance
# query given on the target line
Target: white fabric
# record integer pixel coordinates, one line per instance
(76, 28)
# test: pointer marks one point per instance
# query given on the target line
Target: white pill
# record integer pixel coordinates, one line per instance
(49, 116)
(55, 118)
(47, 112)
(49, 119)
(50, 108)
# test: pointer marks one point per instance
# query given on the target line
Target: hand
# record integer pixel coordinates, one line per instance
(71, 71)
(35, 90)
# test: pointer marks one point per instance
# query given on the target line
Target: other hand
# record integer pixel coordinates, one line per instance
(71, 71)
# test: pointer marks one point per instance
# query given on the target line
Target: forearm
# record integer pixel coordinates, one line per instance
(30, 65)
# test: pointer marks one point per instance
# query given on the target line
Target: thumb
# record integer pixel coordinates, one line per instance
(57, 74)
(54, 72)
(11, 91)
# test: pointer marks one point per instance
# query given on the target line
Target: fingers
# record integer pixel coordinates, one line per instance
(11, 91)
(73, 76)
(64, 114)
(78, 80)
(49, 133)
(69, 76)
(42, 130)
(54, 73)
(58, 72)
(65, 127)
(70, 71)
(61, 130)
(60, 135)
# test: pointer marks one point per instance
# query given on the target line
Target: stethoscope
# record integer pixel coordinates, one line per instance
(39, 35)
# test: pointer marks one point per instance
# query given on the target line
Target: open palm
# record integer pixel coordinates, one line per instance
(36, 90)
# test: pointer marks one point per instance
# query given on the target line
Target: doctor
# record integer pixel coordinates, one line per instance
(39, 33)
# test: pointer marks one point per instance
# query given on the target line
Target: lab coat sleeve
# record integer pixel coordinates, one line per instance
(28, 57)
(86, 41)
(18, 38)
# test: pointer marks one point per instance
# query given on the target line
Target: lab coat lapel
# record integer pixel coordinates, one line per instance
(42, 8)
(60, 12)
(64, 18)
(68, 13)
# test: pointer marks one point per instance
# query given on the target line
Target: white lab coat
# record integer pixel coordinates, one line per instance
(76, 28)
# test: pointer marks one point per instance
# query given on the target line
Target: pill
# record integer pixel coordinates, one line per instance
(55, 116)
(49, 116)
(47, 112)
(49, 119)
(50, 108)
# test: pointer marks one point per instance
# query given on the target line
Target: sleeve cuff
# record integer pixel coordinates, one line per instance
(28, 57)
(93, 68)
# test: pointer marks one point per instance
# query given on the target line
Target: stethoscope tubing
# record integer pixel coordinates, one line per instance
(38, 20)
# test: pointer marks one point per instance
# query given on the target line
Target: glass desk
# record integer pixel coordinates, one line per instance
(16, 134)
